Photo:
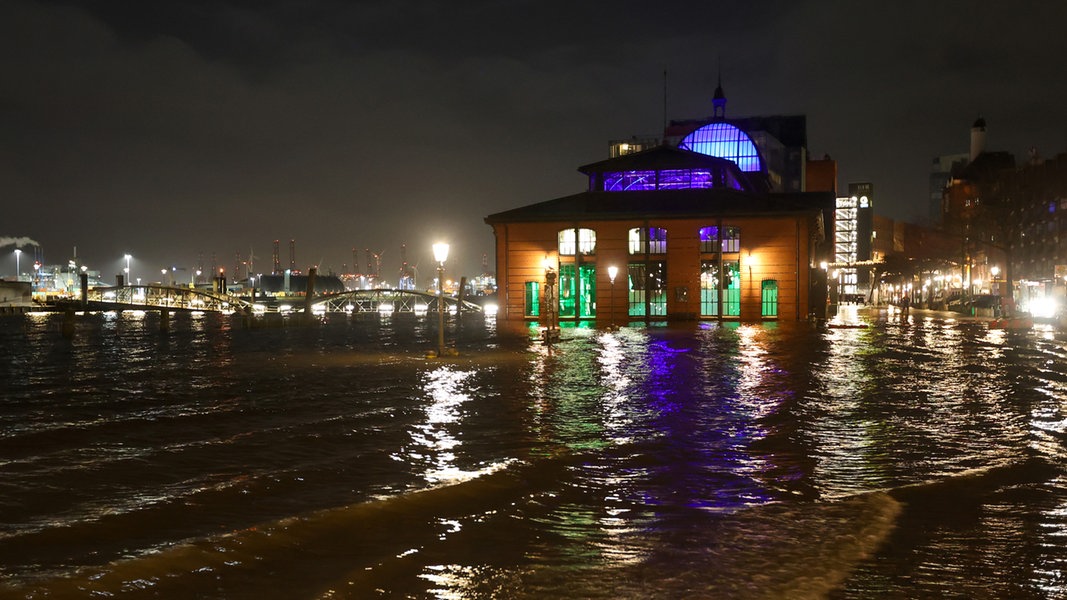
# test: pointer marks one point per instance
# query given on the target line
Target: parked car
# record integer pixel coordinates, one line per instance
(981, 305)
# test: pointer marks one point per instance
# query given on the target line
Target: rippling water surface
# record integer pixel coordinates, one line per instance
(908, 459)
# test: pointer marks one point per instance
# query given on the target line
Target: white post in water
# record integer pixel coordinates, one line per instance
(613, 271)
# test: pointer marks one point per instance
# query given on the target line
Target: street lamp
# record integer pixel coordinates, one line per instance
(612, 272)
(18, 254)
(440, 254)
(127, 271)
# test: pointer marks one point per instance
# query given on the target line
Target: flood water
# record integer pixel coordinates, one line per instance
(912, 458)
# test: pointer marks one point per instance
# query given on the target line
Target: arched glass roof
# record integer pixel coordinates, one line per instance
(725, 141)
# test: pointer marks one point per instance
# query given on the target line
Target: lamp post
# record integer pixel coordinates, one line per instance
(18, 254)
(440, 254)
(612, 272)
(551, 304)
(127, 271)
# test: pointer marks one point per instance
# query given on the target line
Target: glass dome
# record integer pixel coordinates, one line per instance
(723, 140)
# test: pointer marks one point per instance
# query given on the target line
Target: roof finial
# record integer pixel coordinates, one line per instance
(718, 101)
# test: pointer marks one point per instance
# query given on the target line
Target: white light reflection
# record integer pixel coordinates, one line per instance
(754, 367)
(446, 389)
(617, 523)
(758, 396)
(1048, 427)
(454, 581)
(614, 378)
(843, 439)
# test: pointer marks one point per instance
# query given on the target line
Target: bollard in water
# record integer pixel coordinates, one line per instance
(68, 324)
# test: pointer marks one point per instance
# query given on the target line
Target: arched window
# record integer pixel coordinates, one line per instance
(720, 239)
(584, 241)
(648, 240)
(731, 239)
(709, 239)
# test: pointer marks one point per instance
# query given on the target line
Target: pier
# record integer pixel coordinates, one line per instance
(155, 297)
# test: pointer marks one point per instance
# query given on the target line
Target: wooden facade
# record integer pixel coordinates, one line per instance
(778, 244)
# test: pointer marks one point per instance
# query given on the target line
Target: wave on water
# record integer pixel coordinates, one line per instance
(301, 551)
(778, 550)
(974, 483)
(394, 545)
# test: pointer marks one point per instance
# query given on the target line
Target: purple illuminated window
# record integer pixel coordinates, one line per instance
(709, 239)
(670, 179)
(725, 141)
(714, 240)
(682, 179)
(625, 181)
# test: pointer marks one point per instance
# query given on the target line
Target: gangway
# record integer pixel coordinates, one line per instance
(162, 296)
(387, 301)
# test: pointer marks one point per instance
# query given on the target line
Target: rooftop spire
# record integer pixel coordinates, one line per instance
(718, 101)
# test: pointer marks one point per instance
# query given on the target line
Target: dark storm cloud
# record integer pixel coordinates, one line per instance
(167, 129)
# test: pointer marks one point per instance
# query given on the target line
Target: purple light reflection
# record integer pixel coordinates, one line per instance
(711, 465)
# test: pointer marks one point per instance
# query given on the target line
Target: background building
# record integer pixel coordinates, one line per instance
(1010, 220)
(853, 243)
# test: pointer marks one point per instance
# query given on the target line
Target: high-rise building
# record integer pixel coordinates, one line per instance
(853, 241)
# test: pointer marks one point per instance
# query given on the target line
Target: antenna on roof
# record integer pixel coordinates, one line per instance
(664, 101)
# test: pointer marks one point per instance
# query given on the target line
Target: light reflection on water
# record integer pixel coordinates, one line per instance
(712, 460)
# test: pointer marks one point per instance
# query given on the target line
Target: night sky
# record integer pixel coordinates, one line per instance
(168, 129)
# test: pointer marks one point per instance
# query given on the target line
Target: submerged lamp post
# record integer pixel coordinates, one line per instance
(551, 332)
(612, 272)
(440, 254)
